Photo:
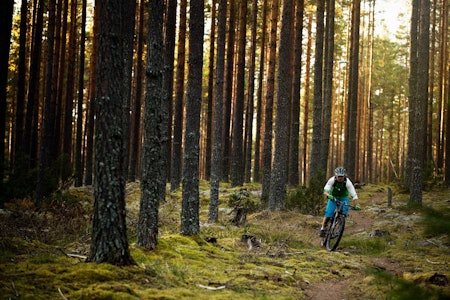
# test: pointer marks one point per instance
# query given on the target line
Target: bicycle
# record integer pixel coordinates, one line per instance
(335, 226)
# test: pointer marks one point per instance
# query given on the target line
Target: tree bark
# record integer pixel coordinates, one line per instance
(248, 138)
(109, 241)
(278, 180)
(216, 162)
(6, 14)
(316, 168)
(237, 159)
(79, 138)
(352, 108)
(293, 161)
(190, 223)
(259, 105)
(228, 92)
(177, 158)
(268, 117)
(135, 145)
(153, 177)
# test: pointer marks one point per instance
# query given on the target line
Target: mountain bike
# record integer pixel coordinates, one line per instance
(335, 226)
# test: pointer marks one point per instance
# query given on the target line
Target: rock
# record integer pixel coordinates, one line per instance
(379, 232)
(438, 279)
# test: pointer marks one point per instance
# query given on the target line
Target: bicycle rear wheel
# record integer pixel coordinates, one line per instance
(335, 234)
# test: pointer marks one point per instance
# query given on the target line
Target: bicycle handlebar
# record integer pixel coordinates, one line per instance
(339, 202)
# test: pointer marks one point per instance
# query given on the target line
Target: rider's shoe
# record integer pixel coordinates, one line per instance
(322, 232)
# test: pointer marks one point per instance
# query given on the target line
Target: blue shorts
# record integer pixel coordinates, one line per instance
(331, 206)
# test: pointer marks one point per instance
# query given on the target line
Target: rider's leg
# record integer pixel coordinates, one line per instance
(331, 206)
(345, 208)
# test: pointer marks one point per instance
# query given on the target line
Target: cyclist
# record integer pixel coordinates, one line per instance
(338, 186)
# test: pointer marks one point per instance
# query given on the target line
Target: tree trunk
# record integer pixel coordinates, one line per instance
(294, 135)
(169, 54)
(259, 105)
(352, 108)
(248, 138)
(316, 169)
(153, 177)
(33, 88)
(307, 101)
(177, 158)
(237, 159)
(135, 145)
(6, 14)
(90, 115)
(109, 241)
(18, 163)
(79, 142)
(278, 180)
(209, 113)
(228, 93)
(190, 223)
(216, 162)
(327, 83)
(418, 102)
(47, 146)
(129, 22)
(268, 116)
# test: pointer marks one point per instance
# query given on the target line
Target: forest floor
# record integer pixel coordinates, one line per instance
(387, 252)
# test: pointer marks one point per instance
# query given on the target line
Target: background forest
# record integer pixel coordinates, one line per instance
(274, 92)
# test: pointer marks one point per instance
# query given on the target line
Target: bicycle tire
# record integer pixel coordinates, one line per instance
(323, 240)
(335, 233)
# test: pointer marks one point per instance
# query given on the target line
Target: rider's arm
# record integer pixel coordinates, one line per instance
(328, 187)
(351, 190)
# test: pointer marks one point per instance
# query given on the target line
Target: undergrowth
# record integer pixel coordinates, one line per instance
(274, 255)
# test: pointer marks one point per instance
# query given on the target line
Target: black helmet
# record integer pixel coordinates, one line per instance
(340, 171)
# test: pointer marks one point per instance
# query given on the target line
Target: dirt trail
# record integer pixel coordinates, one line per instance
(337, 289)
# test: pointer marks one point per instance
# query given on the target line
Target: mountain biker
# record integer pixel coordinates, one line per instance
(338, 186)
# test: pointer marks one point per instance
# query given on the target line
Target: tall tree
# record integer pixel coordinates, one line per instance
(129, 22)
(190, 223)
(316, 167)
(248, 140)
(79, 138)
(259, 95)
(216, 162)
(418, 85)
(90, 115)
(70, 84)
(109, 233)
(352, 107)
(21, 90)
(307, 100)
(279, 172)
(293, 165)
(209, 113)
(153, 177)
(47, 147)
(30, 132)
(135, 144)
(228, 92)
(327, 83)
(169, 54)
(177, 140)
(268, 118)
(237, 153)
(6, 14)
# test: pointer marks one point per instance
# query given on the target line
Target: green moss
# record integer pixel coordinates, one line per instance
(288, 260)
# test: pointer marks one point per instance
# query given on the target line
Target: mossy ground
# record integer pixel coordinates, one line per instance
(42, 252)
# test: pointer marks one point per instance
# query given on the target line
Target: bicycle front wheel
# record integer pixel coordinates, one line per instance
(335, 234)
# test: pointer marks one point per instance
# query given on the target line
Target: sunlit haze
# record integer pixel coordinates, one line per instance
(391, 16)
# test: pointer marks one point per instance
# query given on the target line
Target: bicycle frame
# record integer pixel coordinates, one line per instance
(335, 226)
